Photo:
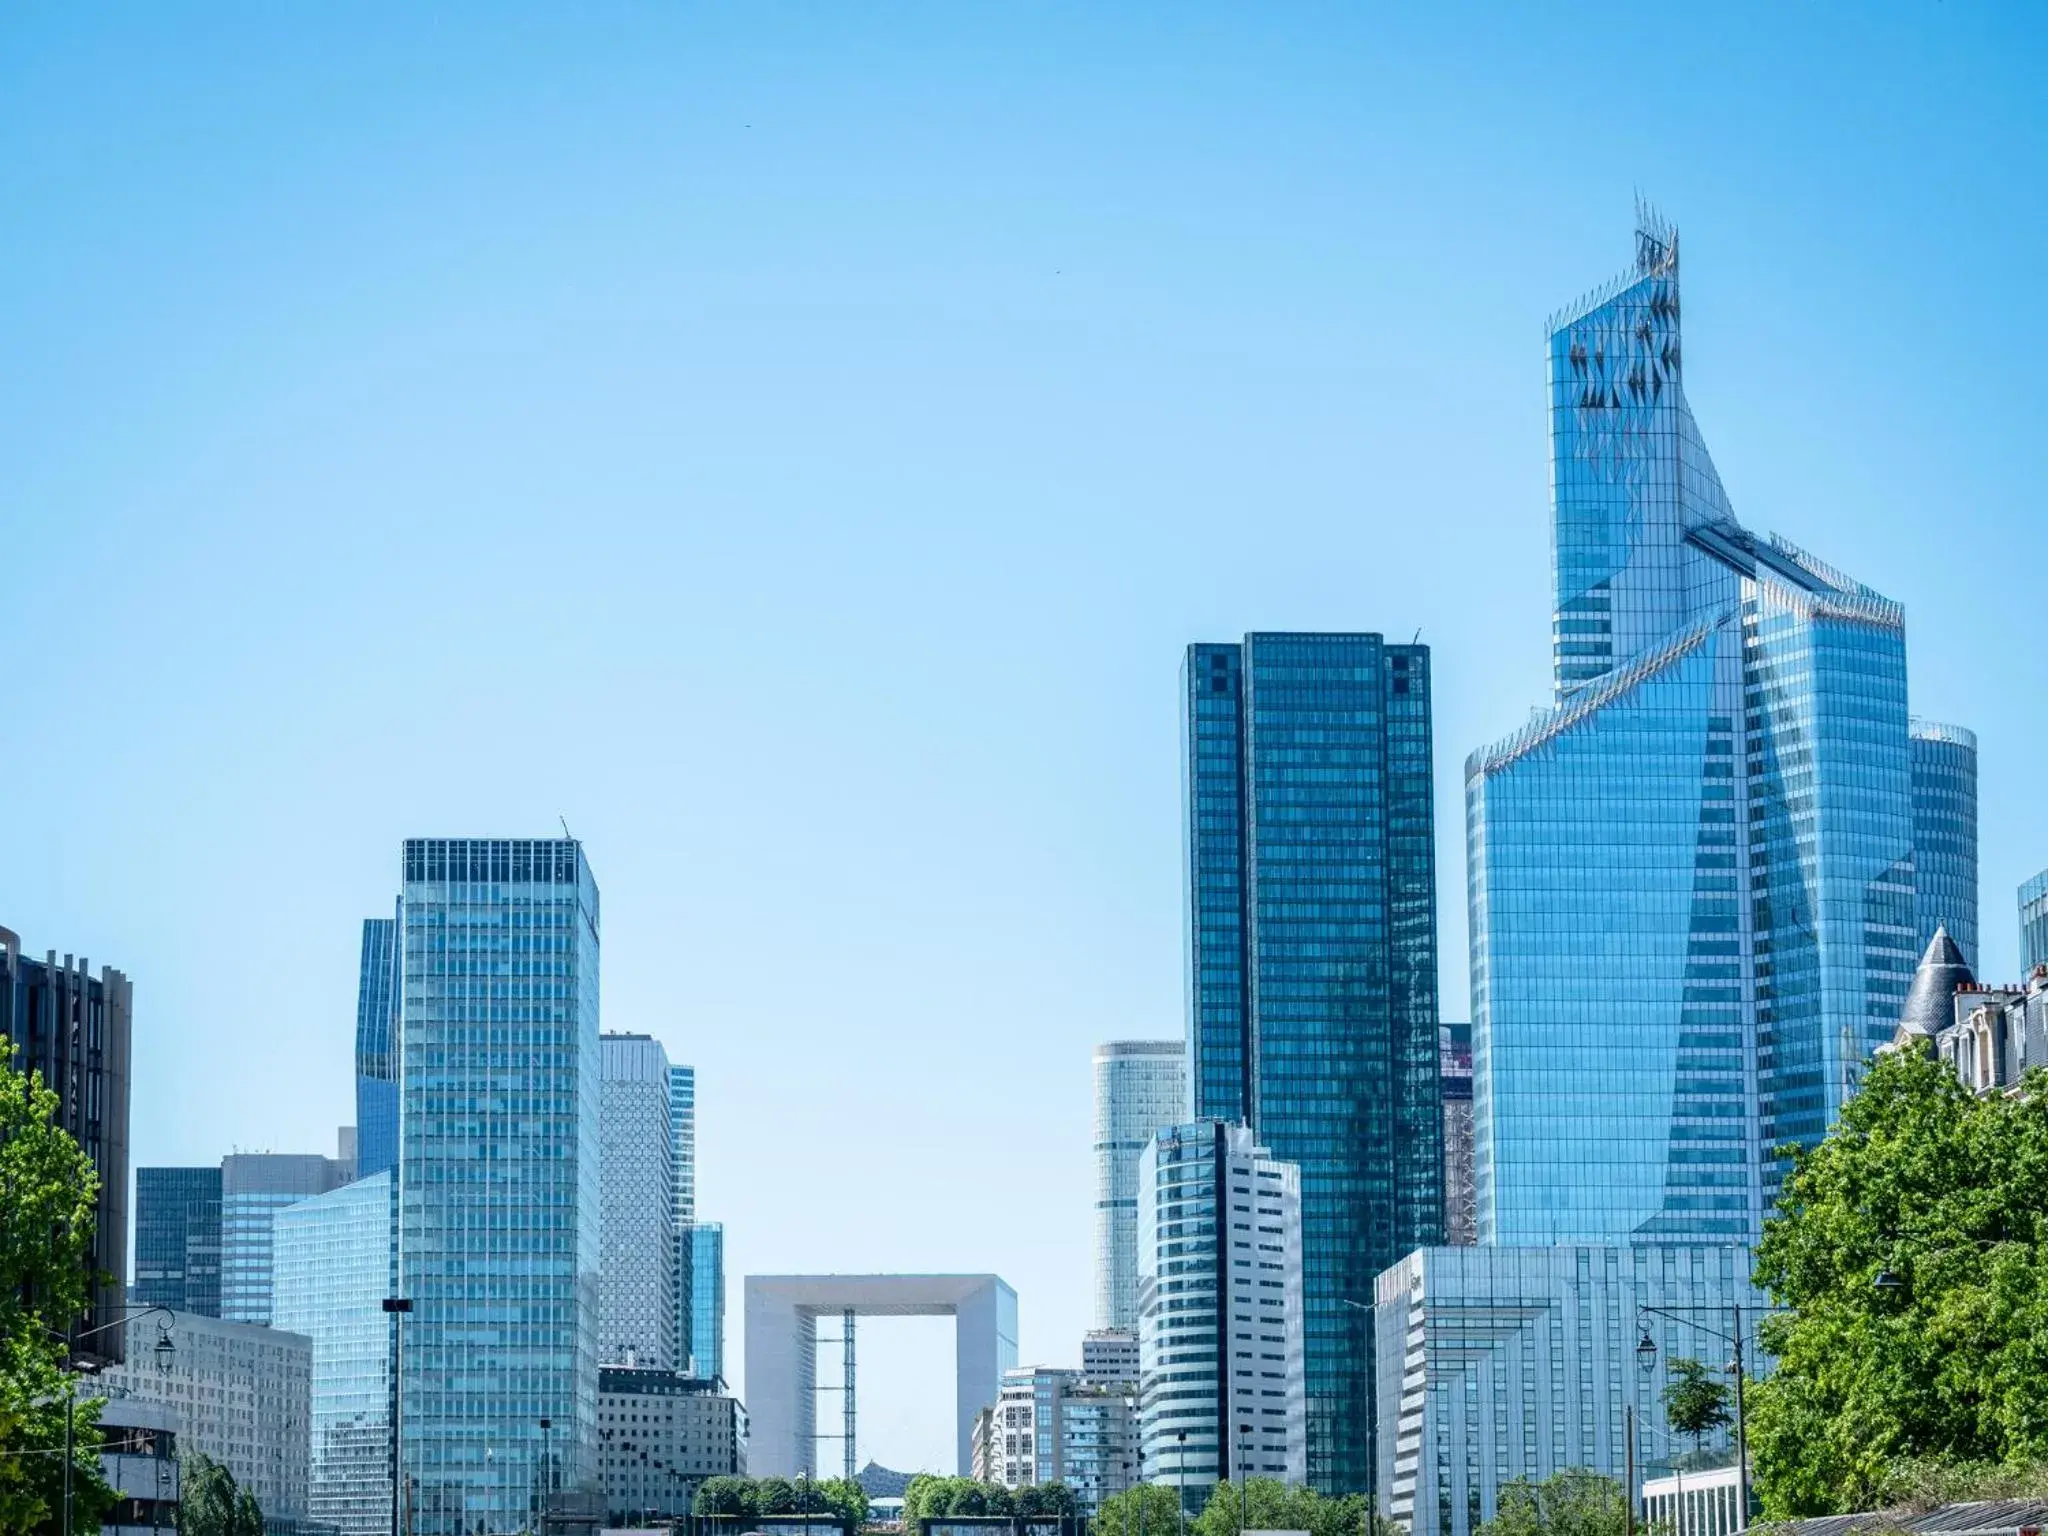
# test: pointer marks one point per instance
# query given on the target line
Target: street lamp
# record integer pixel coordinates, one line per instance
(396, 1307)
(1180, 1466)
(1646, 1356)
(165, 1350)
(1244, 1478)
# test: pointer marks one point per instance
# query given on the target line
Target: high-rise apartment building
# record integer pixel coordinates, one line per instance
(2034, 923)
(1222, 1381)
(177, 1239)
(377, 1048)
(1312, 1001)
(499, 1197)
(1944, 768)
(1109, 1354)
(241, 1393)
(1454, 1073)
(637, 1273)
(335, 1260)
(254, 1187)
(1692, 881)
(707, 1300)
(1052, 1425)
(72, 1029)
(1141, 1086)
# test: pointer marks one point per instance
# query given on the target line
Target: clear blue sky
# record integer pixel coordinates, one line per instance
(794, 443)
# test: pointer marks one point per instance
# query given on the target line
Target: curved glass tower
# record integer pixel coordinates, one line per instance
(1945, 832)
(1692, 880)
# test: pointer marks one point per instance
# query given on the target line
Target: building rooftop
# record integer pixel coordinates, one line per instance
(1930, 1001)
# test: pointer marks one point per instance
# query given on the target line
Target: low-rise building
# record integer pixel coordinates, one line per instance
(660, 1434)
(1702, 1503)
(139, 1459)
(1990, 1037)
(242, 1395)
(1110, 1354)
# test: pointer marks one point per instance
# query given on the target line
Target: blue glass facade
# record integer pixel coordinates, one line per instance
(336, 1260)
(1944, 761)
(1312, 1006)
(377, 1048)
(682, 1126)
(499, 1201)
(706, 1241)
(177, 1239)
(2034, 923)
(1692, 886)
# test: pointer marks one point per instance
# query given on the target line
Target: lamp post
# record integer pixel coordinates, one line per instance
(1244, 1478)
(1646, 1356)
(1180, 1472)
(547, 1469)
(396, 1307)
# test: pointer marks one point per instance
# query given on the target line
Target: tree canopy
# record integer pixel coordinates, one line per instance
(1908, 1247)
(1150, 1509)
(1574, 1502)
(1267, 1504)
(47, 1192)
(1695, 1403)
(746, 1499)
(210, 1503)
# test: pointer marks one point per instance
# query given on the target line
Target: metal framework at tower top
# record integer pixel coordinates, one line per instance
(847, 1416)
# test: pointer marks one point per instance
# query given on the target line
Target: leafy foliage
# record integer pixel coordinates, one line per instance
(1694, 1402)
(1150, 1509)
(744, 1500)
(47, 1193)
(1574, 1502)
(211, 1504)
(1940, 1193)
(1267, 1504)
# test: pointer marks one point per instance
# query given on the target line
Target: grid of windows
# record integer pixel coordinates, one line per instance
(377, 1048)
(255, 1186)
(177, 1239)
(1945, 833)
(2034, 923)
(637, 1311)
(499, 1184)
(1140, 1086)
(1312, 1006)
(707, 1299)
(335, 1258)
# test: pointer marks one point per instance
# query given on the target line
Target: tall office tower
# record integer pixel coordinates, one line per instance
(1222, 1383)
(636, 1308)
(2034, 923)
(254, 1187)
(707, 1300)
(335, 1262)
(1312, 1005)
(1141, 1086)
(1454, 1072)
(1944, 761)
(177, 1239)
(499, 1198)
(377, 1048)
(682, 1114)
(72, 1030)
(1692, 882)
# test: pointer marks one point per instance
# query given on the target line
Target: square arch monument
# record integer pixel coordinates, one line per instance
(782, 1351)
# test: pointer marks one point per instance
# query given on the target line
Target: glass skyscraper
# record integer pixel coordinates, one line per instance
(1944, 761)
(255, 1186)
(177, 1239)
(499, 1198)
(636, 1307)
(707, 1299)
(334, 1264)
(2034, 924)
(682, 1128)
(1692, 881)
(1312, 1002)
(377, 1048)
(1141, 1086)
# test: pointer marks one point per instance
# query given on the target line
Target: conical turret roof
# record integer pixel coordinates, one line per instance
(1930, 1001)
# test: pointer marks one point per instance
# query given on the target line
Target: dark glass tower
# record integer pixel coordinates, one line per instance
(177, 1239)
(1312, 1005)
(376, 1049)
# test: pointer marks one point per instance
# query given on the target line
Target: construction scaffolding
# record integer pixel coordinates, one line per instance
(848, 1411)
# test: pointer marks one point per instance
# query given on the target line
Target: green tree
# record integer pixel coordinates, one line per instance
(1908, 1248)
(1150, 1509)
(211, 1504)
(845, 1498)
(1047, 1501)
(47, 1194)
(1267, 1504)
(1694, 1402)
(727, 1498)
(774, 1496)
(1574, 1502)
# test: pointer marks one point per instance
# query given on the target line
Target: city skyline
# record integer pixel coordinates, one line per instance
(1110, 334)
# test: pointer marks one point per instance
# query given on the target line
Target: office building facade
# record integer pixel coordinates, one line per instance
(1026, 1445)
(2034, 923)
(241, 1394)
(1222, 1378)
(1944, 771)
(335, 1261)
(177, 1239)
(660, 1435)
(1498, 1363)
(707, 1299)
(682, 1115)
(1141, 1086)
(1312, 1002)
(139, 1460)
(1454, 1074)
(377, 1048)
(637, 1310)
(73, 1030)
(1692, 881)
(1053, 1425)
(254, 1187)
(1109, 1355)
(499, 1112)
